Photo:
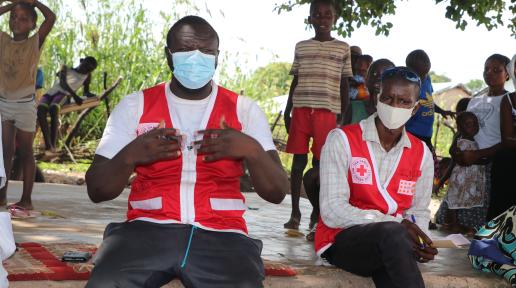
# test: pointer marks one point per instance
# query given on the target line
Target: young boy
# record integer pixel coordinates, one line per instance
(318, 93)
(357, 87)
(421, 124)
(19, 56)
(69, 81)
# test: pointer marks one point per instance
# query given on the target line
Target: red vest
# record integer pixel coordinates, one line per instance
(366, 192)
(188, 190)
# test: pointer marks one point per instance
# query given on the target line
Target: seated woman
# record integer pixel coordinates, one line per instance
(69, 81)
(502, 195)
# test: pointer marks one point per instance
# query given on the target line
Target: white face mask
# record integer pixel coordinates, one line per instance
(393, 117)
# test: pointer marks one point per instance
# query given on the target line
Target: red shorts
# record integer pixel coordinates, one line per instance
(309, 123)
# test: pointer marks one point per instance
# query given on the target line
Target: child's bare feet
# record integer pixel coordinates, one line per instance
(293, 223)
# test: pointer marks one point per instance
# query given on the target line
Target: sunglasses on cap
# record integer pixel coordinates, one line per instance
(404, 72)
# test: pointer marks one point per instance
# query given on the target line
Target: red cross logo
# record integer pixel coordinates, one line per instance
(361, 170)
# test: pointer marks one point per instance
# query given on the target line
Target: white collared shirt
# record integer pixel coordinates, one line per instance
(336, 211)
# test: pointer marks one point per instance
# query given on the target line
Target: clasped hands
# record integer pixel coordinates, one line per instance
(165, 144)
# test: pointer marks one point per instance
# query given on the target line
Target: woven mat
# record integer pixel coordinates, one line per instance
(35, 261)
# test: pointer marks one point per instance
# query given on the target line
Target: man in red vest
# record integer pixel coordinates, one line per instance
(376, 182)
(186, 140)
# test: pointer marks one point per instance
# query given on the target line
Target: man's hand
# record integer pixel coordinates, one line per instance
(78, 100)
(287, 119)
(421, 243)
(226, 143)
(156, 145)
(446, 114)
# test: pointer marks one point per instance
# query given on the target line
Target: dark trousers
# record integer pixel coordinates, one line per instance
(381, 250)
(502, 194)
(143, 254)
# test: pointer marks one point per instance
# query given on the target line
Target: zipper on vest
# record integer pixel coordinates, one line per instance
(183, 263)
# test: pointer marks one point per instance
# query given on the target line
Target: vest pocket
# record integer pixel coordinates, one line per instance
(147, 204)
(223, 204)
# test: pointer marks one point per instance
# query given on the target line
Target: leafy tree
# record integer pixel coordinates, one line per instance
(353, 14)
(436, 78)
(475, 85)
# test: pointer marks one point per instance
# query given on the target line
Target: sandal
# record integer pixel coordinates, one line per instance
(19, 212)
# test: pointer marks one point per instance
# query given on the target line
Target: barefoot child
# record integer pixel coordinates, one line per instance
(69, 81)
(466, 188)
(19, 56)
(319, 91)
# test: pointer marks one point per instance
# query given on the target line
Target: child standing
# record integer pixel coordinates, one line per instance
(357, 86)
(318, 93)
(19, 56)
(69, 81)
(467, 185)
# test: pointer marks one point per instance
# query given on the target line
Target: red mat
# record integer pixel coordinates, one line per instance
(35, 261)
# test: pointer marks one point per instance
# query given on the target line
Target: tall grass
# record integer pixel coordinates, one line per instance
(120, 35)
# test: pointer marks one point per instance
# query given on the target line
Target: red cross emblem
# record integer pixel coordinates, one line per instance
(361, 170)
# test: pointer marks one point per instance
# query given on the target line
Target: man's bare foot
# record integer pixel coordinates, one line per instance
(23, 204)
(293, 223)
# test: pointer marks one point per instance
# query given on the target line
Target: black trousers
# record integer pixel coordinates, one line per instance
(381, 250)
(502, 194)
(143, 254)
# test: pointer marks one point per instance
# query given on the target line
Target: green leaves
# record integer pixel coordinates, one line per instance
(354, 14)
(121, 35)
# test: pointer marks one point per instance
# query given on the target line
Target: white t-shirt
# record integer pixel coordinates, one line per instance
(74, 80)
(487, 110)
(122, 124)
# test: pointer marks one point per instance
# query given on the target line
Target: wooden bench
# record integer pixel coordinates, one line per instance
(87, 106)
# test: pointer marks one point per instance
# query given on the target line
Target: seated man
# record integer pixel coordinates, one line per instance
(67, 84)
(186, 140)
(376, 182)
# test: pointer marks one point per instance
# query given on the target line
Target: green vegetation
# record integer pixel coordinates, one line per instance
(438, 78)
(475, 85)
(443, 139)
(64, 167)
(120, 35)
(354, 14)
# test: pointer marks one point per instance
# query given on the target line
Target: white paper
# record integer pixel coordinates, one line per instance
(458, 239)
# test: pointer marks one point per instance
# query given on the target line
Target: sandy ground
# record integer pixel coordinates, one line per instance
(72, 217)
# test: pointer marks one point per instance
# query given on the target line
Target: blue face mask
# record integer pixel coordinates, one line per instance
(193, 69)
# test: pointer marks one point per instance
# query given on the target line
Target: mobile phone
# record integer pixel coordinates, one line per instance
(76, 256)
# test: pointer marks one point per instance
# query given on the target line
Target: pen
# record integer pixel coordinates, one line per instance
(421, 243)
